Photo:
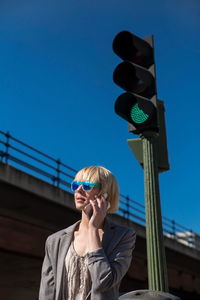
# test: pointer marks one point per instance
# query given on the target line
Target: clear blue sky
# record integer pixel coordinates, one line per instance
(57, 93)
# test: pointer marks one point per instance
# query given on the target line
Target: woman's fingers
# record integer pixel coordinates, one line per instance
(101, 200)
(94, 204)
(99, 206)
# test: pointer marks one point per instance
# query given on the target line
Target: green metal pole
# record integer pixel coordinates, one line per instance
(156, 260)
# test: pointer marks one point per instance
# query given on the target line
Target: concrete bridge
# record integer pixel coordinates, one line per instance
(31, 209)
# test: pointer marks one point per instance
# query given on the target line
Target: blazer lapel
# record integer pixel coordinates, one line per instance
(65, 242)
(108, 237)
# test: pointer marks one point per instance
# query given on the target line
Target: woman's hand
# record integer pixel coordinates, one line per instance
(99, 205)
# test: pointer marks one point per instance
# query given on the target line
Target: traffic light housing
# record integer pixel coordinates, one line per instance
(136, 75)
(161, 145)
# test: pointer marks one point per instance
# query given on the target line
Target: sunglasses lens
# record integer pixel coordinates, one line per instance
(86, 186)
(75, 185)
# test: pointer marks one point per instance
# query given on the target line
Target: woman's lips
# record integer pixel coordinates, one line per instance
(79, 199)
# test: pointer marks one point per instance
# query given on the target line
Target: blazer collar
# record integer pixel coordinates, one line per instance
(70, 230)
(109, 230)
(108, 225)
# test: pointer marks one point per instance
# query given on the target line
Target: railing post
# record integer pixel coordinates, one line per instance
(58, 172)
(174, 229)
(7, 134)
(128, 207)
(191, 238)
(128, 210)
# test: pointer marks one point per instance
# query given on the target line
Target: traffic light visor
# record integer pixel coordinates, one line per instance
(131, 48)
(135, 79)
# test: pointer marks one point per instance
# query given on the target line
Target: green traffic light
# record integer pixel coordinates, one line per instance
(138, 115)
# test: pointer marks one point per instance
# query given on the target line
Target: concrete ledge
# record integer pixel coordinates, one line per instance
(34, 185)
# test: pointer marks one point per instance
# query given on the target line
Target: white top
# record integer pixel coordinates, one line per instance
(78, 276)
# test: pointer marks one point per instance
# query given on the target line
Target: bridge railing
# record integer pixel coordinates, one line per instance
(34, 161)
(135, 211)
(54, 171)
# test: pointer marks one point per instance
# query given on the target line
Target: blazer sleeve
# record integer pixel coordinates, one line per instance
(107, 272)
(47, 284)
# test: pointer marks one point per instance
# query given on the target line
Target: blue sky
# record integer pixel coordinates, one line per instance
(57, 93)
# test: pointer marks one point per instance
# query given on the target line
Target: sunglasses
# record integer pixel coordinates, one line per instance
(86, 185)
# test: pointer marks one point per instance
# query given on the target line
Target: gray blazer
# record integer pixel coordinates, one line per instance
(107, 265)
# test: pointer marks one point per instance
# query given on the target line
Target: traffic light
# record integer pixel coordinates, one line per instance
(161, 145)
(136, 75)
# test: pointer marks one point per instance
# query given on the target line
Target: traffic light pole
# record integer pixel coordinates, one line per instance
(156, 260)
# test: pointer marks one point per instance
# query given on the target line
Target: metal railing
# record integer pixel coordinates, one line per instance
(36, 162)
(135, 211)
(54, 171)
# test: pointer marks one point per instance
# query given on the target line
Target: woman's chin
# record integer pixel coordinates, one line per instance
(80, 206)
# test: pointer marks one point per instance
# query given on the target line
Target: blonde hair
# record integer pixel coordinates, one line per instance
(107, 181)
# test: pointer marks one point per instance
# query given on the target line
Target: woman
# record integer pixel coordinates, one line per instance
(88, 259)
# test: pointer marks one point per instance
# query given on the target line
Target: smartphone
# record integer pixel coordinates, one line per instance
(89, 210)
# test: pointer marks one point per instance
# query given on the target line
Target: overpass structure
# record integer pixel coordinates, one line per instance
(31, 209)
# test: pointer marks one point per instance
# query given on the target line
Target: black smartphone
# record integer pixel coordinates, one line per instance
(88, 208)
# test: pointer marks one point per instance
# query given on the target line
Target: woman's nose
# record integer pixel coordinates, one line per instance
(80, 189)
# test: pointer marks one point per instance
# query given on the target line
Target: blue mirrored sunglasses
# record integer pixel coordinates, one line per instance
(86, 185)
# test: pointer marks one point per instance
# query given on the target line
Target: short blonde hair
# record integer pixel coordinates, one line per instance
(107, 181)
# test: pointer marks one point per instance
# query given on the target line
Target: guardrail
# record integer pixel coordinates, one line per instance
(54, 171)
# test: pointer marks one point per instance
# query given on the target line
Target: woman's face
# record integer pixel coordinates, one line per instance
(82, 198)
